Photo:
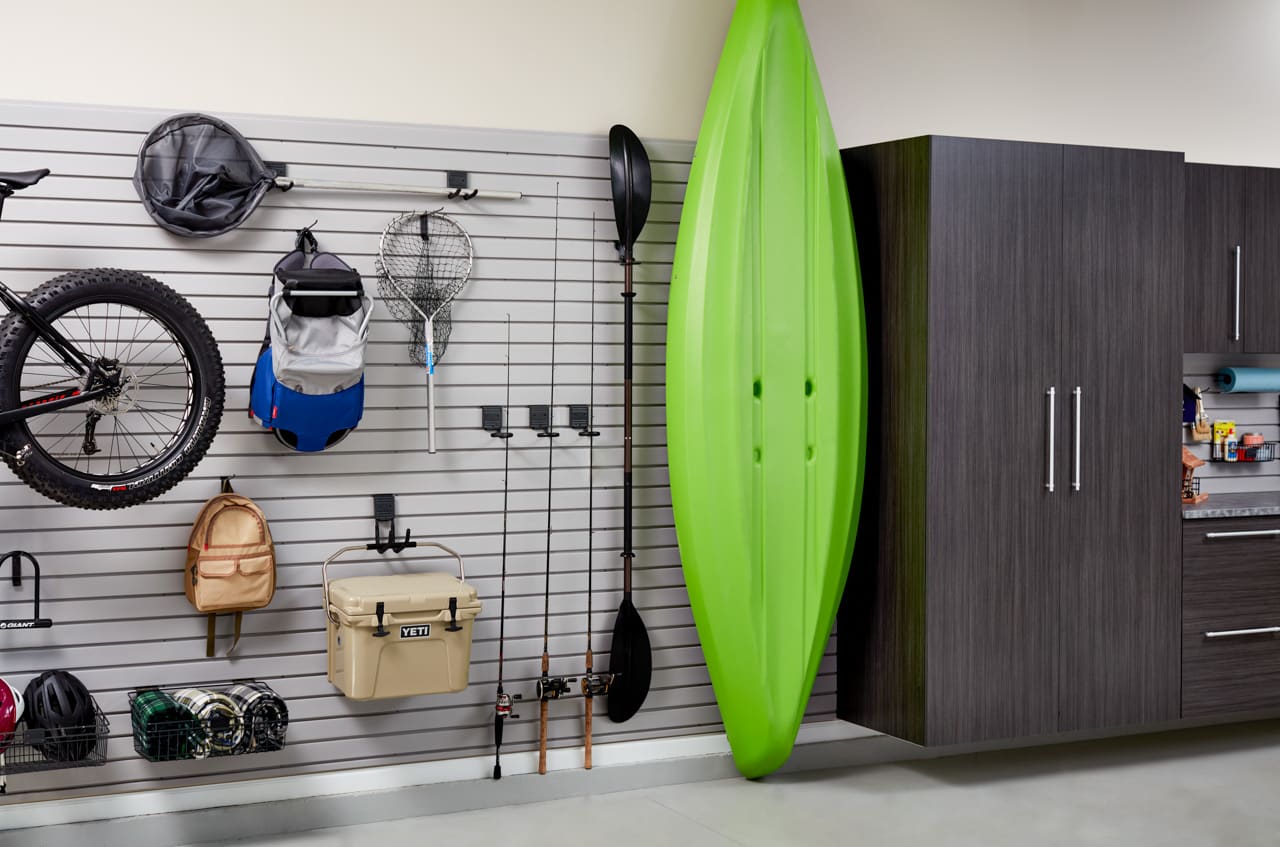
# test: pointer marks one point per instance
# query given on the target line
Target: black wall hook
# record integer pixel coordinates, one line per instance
(384, 512)
(35, 621)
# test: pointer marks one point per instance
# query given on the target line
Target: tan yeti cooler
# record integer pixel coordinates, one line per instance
(399, 635)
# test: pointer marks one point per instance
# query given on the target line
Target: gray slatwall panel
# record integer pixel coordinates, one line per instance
(111, 581)
(1251, 412)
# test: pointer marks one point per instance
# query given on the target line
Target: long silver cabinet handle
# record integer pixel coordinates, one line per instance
(1244, 533)
(1050, 393)
(1239, 251)
(1075, 465)
(1231, 633)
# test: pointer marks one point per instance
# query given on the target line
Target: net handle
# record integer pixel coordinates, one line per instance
(285, 183)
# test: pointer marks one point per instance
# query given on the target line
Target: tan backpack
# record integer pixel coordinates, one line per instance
(231, 562)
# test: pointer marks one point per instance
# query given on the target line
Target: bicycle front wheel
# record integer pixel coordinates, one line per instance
(153, 426)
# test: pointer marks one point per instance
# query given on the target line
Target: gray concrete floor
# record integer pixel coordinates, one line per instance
(1217, 786)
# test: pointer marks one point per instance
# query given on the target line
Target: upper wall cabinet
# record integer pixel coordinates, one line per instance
(1232, 283)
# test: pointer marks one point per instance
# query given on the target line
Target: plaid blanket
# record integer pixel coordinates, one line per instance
(220, 715)
(265, 713)
(163, 729)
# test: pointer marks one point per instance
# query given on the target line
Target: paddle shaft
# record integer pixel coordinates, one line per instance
(628, 297)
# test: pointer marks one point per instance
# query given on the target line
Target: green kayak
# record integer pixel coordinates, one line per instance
(766, 382)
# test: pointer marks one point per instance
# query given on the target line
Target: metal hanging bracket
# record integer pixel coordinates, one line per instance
(35, 621)
(384, 512)
(580, 419)
(540, 419)
(491, 420)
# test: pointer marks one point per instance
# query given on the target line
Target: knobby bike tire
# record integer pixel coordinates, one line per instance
(112, 286)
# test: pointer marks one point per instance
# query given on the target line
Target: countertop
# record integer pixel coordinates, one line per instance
(1253, 504)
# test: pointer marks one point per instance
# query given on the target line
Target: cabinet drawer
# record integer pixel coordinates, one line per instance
(1230, 584)
(1229, 674)
(1230, 574)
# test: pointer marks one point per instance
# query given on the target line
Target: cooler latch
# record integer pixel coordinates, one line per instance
(453, 616)
(378, 610)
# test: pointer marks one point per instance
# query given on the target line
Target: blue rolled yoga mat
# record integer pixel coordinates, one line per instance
(1236, 380)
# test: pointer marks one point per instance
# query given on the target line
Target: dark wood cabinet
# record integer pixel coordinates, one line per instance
(999, 277)
(1120, 559)
(1214, 245)
(1231, 290)
(1231, 616)
(1260, 262)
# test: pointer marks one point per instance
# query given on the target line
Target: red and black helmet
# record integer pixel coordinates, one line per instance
(11, 708)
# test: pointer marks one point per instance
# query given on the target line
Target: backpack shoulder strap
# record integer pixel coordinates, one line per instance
(236, 640)
(213, 635)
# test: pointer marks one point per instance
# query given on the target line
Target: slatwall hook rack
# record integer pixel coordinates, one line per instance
(455, 189)
(384, 512)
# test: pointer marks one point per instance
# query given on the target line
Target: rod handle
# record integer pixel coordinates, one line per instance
(588, 705)
(542, 719)
(542, 739)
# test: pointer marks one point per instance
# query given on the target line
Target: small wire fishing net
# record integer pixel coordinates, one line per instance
(424, 260)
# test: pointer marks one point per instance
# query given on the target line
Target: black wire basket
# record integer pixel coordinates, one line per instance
(207, 721)
(31, 749)
(1245, 454)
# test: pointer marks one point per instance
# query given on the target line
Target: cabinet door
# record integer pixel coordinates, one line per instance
(1119, 560)
(1260, 262)
(1215, 235)
(994, 263)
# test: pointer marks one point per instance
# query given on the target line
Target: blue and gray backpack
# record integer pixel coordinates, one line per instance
(308, 383)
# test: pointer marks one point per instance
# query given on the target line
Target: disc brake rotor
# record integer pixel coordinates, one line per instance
(120, 399)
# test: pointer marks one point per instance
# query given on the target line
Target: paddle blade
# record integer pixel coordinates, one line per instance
(632, 183)
(631, 662)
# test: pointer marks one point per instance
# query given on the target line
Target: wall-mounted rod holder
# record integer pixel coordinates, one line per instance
(491, 420)
(580, 419)
(540, 418)
(384, 512)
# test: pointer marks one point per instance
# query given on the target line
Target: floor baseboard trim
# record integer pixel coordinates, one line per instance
(274, 805)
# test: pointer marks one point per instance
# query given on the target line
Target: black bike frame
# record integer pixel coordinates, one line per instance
(74, 358)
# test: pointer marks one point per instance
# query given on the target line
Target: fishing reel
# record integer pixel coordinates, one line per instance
(596, 684)
(503, 706)
(553, 687)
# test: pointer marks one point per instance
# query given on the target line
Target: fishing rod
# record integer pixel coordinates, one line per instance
(502, 708)
(549, 687)
(592, 683)
(630, 656)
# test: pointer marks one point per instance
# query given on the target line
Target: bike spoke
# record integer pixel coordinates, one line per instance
(140, 419)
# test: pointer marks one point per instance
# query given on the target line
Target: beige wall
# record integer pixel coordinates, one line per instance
(557, 65)
(1202, 77)
(1175, 74)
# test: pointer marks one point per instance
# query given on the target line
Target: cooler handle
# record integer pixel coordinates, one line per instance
(324, 569)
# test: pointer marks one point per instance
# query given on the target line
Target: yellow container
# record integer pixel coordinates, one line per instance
(399, 635)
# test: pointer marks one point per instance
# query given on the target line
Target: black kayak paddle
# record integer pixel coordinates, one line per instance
(631, 657)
